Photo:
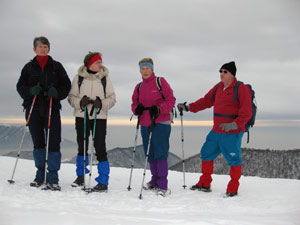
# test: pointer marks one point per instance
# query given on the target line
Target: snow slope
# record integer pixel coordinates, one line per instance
(260, 201)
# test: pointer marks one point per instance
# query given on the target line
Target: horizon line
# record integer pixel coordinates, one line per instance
(117, 121)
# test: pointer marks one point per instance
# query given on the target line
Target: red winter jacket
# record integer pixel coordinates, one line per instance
(149, 95)
(223, 104)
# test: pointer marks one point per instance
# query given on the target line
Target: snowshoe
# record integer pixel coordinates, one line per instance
(150, 187)
(36, 183)
(200, 188)
(52, 187)
(163, 192)
(100, 188)
(78, 182)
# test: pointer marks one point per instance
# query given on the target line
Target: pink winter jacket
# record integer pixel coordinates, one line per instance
(149, 95)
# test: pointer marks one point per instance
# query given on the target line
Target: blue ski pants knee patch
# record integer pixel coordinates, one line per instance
(227, 144)
(159, 145)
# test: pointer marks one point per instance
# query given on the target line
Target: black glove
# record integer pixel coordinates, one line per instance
(139, 109)
(183, 107)
(98, 103)
(84, 101)
(52, 92)
(229, 126)
(35, 90)
(154, 111)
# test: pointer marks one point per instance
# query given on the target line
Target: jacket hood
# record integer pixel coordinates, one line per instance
(82, 71)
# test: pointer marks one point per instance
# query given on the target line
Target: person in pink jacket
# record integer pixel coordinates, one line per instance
(153, 106)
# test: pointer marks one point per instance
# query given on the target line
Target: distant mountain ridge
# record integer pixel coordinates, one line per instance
(11, 137)
(256, 162)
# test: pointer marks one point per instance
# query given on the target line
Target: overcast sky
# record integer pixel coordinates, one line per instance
(188, 40)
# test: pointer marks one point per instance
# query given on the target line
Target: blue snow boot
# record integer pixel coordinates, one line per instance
(39, 156)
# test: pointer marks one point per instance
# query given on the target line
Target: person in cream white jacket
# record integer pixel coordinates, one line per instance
(92, 88)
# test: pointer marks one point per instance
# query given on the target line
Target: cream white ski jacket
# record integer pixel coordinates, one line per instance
(92, 87)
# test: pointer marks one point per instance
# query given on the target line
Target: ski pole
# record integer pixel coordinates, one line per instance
(133, 154)
(92, 151)
(11, 181)
(48, 135)
(182, 145)
(84, 147)
(147, 155)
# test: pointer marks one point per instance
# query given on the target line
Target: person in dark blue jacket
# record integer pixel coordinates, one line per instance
(44, 77)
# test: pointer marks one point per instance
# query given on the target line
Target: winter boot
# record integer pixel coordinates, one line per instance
(54, 160)
(163, 192)
(150, 187)
(100, 188)
(102, 179)
(36, 183)
(78, 182)
(39, 156)
(205, 179)
(233, 185)
(162, 173)
(52, 187)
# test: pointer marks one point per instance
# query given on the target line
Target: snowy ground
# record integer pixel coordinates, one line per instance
(260, 201)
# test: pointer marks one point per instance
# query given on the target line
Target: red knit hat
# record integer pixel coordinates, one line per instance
(94, 59)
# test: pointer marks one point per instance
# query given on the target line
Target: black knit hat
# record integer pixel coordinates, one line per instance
(230, 67)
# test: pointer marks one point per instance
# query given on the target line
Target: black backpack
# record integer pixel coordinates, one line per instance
(158, 84)
(251, 121)
(103, 81)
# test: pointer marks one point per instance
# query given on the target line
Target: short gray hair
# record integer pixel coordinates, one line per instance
(42, 40)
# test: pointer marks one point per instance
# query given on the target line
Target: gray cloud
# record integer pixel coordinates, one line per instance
(188, 40)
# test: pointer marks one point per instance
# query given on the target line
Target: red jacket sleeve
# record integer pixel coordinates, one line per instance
(203, 103)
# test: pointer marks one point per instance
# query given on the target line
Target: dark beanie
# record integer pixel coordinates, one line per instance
(230, 67)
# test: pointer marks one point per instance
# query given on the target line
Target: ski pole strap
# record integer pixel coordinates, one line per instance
(224, 115)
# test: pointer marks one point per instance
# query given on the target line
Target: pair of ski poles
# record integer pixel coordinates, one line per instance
(11, 181)
(147, 153)
(85, 150)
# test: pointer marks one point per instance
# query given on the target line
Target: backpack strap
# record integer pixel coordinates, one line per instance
(80, 80)
(138, 91)
(236, 90)
(158, 84)
(103, 81)
(214, 94)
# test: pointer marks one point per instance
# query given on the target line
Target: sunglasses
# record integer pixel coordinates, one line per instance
(223, 71)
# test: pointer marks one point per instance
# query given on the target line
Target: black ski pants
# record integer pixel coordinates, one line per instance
(38, 127)
(100, 135)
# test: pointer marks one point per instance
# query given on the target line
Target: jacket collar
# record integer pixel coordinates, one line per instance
(82, 71)
(152, 77)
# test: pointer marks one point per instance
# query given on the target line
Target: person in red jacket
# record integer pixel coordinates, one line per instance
(230, 118)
